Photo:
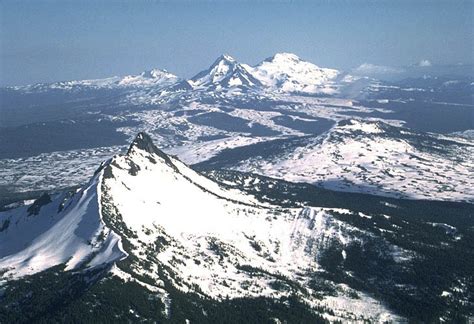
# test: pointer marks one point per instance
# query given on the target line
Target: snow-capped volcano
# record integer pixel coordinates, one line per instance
(225, 72)
(286, 72)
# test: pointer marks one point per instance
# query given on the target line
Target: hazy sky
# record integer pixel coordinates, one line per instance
(61, 40)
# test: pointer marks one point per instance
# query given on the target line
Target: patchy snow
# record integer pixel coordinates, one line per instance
(356, 310)
(53, 171)
(202, 151)
(361, 156)
(449, 229)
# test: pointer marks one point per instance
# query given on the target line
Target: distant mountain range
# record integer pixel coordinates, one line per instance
(284, 72)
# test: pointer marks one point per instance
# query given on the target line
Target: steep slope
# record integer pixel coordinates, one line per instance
(225, 72)
(67, 229)
(174, 225)
(210, 242)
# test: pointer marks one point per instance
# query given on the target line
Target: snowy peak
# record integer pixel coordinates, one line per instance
(143, 142)
(286, 72)
(223, 63)
(283, 72)
(225, 58)
(149, 78)
(225, 72)
(145, 161)
(283, 58)
(84, 229)
(175, 229)
(157, 74)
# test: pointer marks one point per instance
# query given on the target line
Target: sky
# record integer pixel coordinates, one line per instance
(46, 41)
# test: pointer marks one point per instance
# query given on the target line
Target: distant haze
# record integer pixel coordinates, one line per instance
(44, 41)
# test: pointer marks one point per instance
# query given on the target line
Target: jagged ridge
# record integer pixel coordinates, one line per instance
(163, 215)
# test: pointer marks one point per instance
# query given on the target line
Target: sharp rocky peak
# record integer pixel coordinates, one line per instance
(143, 142)
(225, 58)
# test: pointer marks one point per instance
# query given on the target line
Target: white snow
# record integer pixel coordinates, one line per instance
(360, 157)
(152, 199)
(288, 73)
(225, 72)
(211, 232)
(34, 243)
(153, 78)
